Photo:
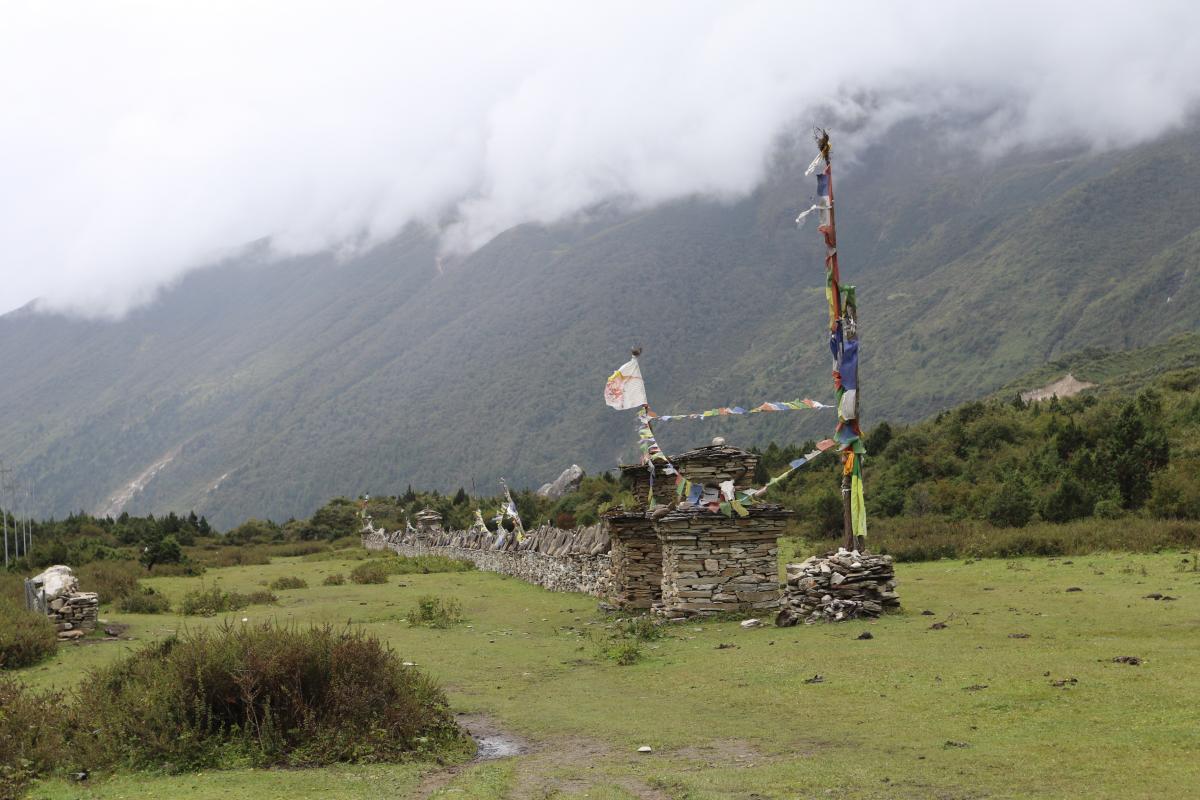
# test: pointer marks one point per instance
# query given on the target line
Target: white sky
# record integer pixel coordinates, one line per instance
(139, 140)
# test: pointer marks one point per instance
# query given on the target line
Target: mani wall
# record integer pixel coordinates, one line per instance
(672, 558)
(561, 561)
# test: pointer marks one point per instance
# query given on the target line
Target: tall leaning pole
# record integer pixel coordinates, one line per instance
(843, 326)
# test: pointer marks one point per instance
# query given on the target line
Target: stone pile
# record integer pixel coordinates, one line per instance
(838, 586)
(56, 594)
(713, 564)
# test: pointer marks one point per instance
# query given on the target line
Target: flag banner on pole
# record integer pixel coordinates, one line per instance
(625, 388)
(725, 411)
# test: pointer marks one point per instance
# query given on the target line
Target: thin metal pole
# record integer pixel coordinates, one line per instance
(4, 511)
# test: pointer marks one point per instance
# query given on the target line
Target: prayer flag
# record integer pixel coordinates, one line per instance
(625, 388)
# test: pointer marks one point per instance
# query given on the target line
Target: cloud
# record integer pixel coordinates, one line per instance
(143, 140)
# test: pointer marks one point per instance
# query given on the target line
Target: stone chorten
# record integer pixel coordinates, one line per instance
(429, 524)
(680, 559)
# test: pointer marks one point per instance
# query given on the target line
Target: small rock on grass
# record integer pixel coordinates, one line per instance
(1132, 661)
(865, 635)
(938, 626)
(927, 613)
(1018, 636)
(1074, 589)
(645, 749)
(751, 623)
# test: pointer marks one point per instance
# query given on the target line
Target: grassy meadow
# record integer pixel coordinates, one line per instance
(969, 710)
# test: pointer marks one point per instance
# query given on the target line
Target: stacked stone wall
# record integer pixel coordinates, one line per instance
(75, 614)
(637, 561)
(559, 560)
(714, 564)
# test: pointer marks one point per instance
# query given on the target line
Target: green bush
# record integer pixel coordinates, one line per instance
(1011, 506)
(262, 695)
(32, 733)
(215, 600)
(625, 652)
(26, 637)
(335, 579)
(289, 582)
(434, 612)
(644, 628)
(370, 572)
(357, 553)
(1175, 493)
(111, 580)
(143, 600)
(422, 565)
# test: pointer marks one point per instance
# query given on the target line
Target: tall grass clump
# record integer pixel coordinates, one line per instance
(206, 602)
(432, 611)
(931, 538)
(369, 572)
(32, 733)
(143, 600)
(421, 565)
(265, 695)
(289, 582)
(25, 637)
(334, 579)
(111, 580)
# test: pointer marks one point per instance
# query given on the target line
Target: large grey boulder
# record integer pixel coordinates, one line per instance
(565, 483)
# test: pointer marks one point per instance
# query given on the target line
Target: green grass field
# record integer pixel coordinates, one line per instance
(968, 711)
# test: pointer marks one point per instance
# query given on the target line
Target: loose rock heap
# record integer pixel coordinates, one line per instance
(838, 586)
(56, 594)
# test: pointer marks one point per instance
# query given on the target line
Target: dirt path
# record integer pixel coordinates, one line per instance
(565, 765)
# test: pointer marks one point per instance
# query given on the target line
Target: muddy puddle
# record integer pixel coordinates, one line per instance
(491, 741)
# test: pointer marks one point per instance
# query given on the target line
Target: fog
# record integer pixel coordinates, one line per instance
(142, 140)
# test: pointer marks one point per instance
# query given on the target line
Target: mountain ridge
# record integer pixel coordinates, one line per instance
(288, 382)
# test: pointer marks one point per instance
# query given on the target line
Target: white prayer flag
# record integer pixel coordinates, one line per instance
(625, 388)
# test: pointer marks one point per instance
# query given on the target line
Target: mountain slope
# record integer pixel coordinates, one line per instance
(276, 385)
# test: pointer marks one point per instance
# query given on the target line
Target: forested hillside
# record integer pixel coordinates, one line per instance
(261, 388)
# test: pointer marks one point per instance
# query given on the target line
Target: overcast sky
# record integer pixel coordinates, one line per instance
(141, 140)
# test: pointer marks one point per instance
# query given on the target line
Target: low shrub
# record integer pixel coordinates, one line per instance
(434, 612)
(289, 582)
(32, 733)
(215, 600)
(370, 572)
(625, 652)
(184, 569)
(26, 637)
(421, 565)
(931, 538)
(291, 549)
(355, 553)
(263, 695)
(233, 556)
(335, 579)
(643, 628)
(205, 602)
(112, 580)
(143, 601)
